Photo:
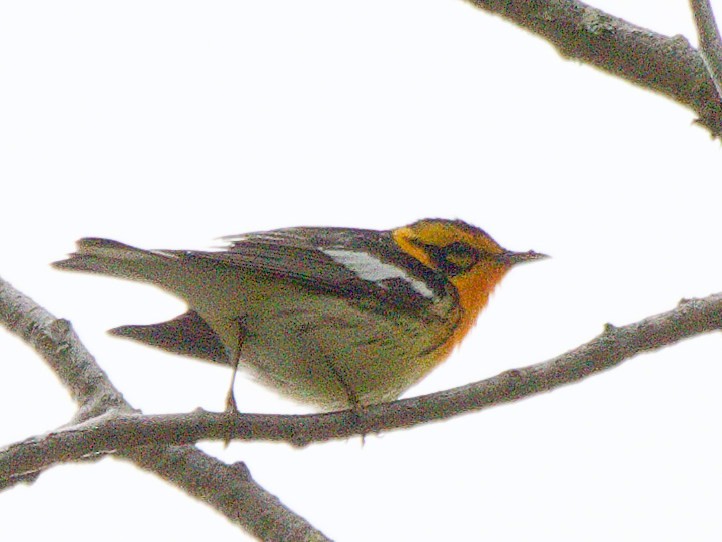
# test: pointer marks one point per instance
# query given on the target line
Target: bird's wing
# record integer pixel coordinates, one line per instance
(360, 265)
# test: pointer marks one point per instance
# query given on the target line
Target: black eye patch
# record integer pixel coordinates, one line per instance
(453, 258)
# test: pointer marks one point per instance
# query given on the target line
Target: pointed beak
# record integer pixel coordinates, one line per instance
(513, 258)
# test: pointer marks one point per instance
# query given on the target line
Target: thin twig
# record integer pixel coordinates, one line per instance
(227, 488)
(121, 431)
(662, 64)
(710, 44)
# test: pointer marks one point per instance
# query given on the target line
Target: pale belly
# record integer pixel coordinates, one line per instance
(329, 353)
(321, 349)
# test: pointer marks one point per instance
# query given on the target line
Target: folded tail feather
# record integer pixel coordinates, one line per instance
(187, 335)
(108, 257)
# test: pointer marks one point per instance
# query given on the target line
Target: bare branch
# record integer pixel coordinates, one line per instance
(54, 340)
(228, 488)
(126, 431)
(710, 45)
(666, 65)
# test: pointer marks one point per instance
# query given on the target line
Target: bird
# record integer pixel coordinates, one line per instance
(334, 317)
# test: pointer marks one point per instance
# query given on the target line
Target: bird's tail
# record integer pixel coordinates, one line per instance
(108, 257)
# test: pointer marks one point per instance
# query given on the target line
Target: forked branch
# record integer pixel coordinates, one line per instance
(666, 65)
(227, 488)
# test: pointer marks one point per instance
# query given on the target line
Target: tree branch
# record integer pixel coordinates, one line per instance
(710, 45)
(125, 431)
(227, 488)
(666, 65)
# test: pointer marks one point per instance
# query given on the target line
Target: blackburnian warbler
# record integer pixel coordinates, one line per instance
(331, 316)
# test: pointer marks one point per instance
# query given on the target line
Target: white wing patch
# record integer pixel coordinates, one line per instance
(369, 268)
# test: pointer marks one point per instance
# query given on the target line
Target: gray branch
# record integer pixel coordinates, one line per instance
(710, 45)
(227, 488)
(124, 431)
(665, 65)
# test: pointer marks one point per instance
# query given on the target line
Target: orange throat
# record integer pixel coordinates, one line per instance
(474, 290)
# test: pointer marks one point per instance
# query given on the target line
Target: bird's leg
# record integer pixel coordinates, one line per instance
(352, 398)
(357, 409)
(235, 358)
(231, 405)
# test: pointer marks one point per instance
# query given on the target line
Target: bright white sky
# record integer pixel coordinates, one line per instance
(168, 124)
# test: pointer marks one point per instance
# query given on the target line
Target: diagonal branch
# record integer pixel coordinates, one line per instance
(710, 44)
(126, 431)
(227, 488)
(665, 65)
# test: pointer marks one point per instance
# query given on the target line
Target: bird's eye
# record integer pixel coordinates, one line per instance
(455, 257)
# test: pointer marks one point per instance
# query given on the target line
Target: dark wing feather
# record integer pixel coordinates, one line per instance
(187, 335)
(297, 255)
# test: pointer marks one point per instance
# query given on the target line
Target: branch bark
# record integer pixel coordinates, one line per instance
(666, 65)
(229, 489)
(124, 431)
(710, 44)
